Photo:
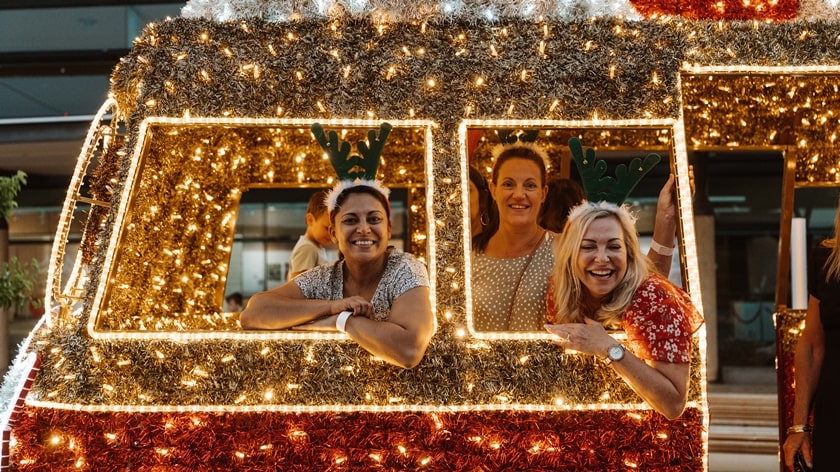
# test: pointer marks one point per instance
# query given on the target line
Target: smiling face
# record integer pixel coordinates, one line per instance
(602, 257)
(519, 191)
(361, 227)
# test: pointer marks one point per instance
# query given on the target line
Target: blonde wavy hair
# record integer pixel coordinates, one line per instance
(568, 290)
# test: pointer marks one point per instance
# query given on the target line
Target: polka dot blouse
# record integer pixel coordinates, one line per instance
(509, 294)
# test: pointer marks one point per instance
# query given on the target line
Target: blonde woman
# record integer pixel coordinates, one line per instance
(601, 280)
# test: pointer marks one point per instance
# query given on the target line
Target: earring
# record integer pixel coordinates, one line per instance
(484, 219)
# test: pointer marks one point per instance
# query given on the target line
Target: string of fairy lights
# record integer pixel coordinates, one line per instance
(185, 252)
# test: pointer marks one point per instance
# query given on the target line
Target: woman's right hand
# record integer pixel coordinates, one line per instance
(801, 443)
(358, 305)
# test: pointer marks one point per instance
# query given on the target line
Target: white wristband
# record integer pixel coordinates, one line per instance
(660, 249)
(341, 321)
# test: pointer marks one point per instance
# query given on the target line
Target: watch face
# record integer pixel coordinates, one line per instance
(616, 352)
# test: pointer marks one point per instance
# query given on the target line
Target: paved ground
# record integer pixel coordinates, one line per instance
(728, 462)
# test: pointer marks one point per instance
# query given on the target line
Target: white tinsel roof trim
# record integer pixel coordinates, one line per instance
(280, 11)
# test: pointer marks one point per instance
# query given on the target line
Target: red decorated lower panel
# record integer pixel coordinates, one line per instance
(775, 10)
(596, 440)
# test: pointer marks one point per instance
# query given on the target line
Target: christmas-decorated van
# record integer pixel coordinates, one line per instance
(138, 366)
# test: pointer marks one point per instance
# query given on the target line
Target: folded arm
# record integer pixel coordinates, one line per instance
(402, 339)
(286, 307)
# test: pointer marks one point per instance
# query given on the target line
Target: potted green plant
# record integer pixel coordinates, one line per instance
(16, 278)
(9, 188)
(17, 281)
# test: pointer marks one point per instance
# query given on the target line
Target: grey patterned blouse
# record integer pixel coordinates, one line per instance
(402, 273)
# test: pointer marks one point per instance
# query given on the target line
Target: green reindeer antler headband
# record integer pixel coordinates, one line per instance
(599, 187)
(353, 169)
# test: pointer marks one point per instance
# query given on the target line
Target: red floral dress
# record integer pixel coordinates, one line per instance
(659, 322)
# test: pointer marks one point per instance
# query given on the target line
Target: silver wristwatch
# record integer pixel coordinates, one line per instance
(614, 353)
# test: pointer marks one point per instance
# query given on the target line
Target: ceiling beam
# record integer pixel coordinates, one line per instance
(49, 63)
(32, 4)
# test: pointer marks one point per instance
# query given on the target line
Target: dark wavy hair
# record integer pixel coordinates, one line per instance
(342, 197)
(486, 209)
(563, 195)
(529, 152)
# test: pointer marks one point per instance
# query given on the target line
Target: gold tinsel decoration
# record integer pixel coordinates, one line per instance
(169, 266)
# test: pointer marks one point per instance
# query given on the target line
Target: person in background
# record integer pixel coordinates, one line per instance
(233, 302)
(310, 250)
(662, 245)
(376, 294)
(817, 363)
(563, 195)
(601, 280)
